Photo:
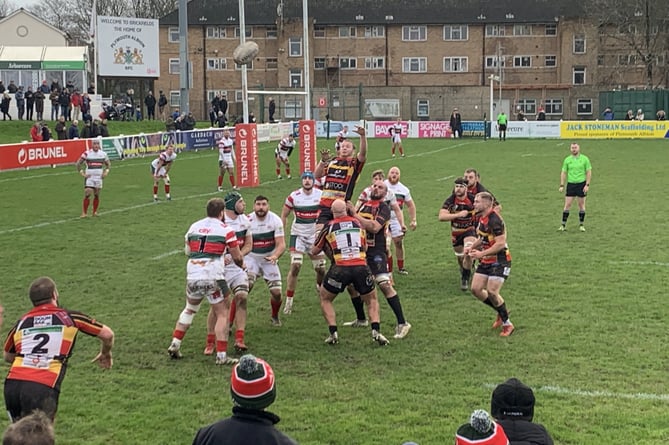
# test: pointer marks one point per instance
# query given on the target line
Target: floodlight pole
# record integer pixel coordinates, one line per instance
(492, 78)
(306, 80)
(184, 82)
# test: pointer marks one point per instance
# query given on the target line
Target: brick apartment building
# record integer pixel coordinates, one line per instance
(431, 55)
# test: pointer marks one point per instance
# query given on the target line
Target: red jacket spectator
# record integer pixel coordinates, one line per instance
(36, 132)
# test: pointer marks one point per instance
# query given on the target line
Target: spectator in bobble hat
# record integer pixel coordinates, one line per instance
(253, 389)
(481, 430)
(512, 406)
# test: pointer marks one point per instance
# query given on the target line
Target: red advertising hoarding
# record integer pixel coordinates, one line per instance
(41, 154)
(246, 153)
(307, 145)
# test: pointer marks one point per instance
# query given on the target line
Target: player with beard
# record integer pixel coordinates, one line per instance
(304, 203)
(341, 174)
(268, 246)
(458, 209)
(226, 160)
(397, 227)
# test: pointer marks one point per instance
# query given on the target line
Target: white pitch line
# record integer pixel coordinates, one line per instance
(423, 153)
(593, 394)
(166, 254)
(640, 263)
(446, 178)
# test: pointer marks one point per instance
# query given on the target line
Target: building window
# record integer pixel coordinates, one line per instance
(173, 34)
(414, 33)
(414, 64)
(550, 61)
(271, 63)
(522, 30)
(529, 106)
(627, 59)
(295, 47)
(348, 63)
(319, 63)
(213, 93)
(579, 75)
(375, 31)
(213, 64)
(456, 32)
(584, 107)
(319, 31)
(375, 63)
(249, 66)
(271, 32)
(522, 61)
(601, 60)
(295, 78)
(660, 60)
(553, 106)
(216, 32)
(249, 32)
(292, 109)
(494, 30)
(347, 31)
(175, 98)
(423, 108)
(455, 64)
(174, 66)
(551, 29)
(492, 62)
(579, 44)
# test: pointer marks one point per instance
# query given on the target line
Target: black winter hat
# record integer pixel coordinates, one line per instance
(512, 400)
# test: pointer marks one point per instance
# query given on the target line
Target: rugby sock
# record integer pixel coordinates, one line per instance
(396, 306)
(565, 215)
(501, 310)
(290, 293)
(400, 264)
(211, 338)
(390, 263)
(178, 334)
(489, 303)
(232, 180)
(401, 151)
(287, 171)
(239, 336)
(278, 171)
(332, 329)
(96, 204)
(359, 308)
(376, 326)
(87, 202)
(581, 216)
(233, 311)
(155, 190)
(167, 190)
(276, 305)
(466, 273)
(221, 346)
(220, 180)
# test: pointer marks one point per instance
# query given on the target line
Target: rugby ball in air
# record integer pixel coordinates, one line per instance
(245, 53)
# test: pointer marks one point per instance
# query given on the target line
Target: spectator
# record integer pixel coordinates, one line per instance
(661, 115)
(73, 131)
(272, 110)
(456, 123)
(639, 115)
(86, 107)
(481, 430)
(162, 101)
(220, 120)
(520, 114)
(629, 116)
(608, 114)
(4, 106)
(104, 130)
(512, 406)
(212, 115)
(86, 131)
(95, 128)
(253, 389)
(2, 87)
(55, 85)
(33, 429)
(61, 128)
(176, 113)
(252, 118)
(223, 104)
(170, 125)
(46, 133)
(188, 122)
(76, 104)
(11, 88)
(150, 102)
(30, 103)
(44, 88)
(91, 89)
(20, 102)
(36, 132)
(55, 106)
(541, 114)
(39, 104)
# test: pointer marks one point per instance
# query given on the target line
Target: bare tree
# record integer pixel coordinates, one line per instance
(639, 30)
(6, 8)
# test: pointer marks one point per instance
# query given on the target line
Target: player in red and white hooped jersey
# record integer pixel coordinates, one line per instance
(235, 276)
(341, 137)
(268, 246)
(97, 168)
(396, 137)
(206, 243)
(397, 228)
(226, 160)
(281, 153)
(304, 202)
(160, 168)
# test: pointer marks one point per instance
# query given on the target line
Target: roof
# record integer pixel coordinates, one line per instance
(25, 11)
(375, 12)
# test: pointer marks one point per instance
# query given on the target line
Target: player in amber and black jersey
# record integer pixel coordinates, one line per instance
(495, 260)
